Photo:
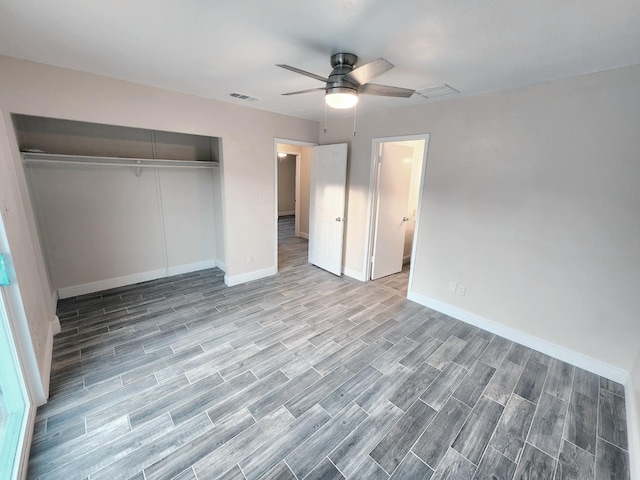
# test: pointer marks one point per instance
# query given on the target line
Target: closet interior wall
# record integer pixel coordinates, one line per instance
(105, 226)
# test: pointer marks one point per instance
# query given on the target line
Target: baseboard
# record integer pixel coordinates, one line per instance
(221, 265)
(304, 235)
(632, 399)
(231, 280)
(55, 325)
(100, 285)
(598, 367)
(350, 272)
(287, 213)
(190, 267)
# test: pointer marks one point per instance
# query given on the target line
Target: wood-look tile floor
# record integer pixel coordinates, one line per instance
(307, 375)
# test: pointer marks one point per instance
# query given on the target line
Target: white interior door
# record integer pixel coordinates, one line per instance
(394, 178)
(326, 206)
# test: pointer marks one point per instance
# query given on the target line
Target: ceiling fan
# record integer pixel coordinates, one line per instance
(346, 81)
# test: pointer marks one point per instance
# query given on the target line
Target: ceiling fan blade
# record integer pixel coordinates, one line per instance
(302, 72)
(305, 91)
(369, 71)
(385, 90)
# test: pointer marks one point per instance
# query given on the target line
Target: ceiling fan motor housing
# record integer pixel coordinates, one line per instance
(343, 64)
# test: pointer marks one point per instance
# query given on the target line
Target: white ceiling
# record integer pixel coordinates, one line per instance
(215, 47)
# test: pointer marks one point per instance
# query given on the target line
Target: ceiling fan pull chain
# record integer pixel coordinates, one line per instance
(355, 115)
(325, 117)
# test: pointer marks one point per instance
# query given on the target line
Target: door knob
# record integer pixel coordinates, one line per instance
(405, 219)
(338, 219)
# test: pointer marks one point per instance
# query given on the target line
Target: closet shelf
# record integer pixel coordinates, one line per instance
(58, 159)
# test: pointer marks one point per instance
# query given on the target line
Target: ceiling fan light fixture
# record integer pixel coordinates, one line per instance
(341, 98)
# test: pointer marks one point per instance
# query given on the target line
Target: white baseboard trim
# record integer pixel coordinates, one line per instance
(304, 235)
(100, 285)
(190, 267)
(232, 280)
(106, 284)
(55, 325)
(632, 405)
(591, 364)
(350, 272)
(286, 213)
(221, 265)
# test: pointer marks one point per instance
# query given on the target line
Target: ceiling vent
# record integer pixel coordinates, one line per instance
(439, 91)
(242, 96)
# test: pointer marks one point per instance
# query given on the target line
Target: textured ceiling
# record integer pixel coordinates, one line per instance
(212, 48)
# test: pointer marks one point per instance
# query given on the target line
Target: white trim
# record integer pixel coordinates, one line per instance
(586, 362)
(284, 141)
(231, 281)
(373, 192)
(221, 265)
(191, 267)
(299, 143)
(35, 159)
(416, 228)
(287, 213)
(82, 289)
(30, 422)
(54, 325)
(304, 235)
(106, 284)
(632, 394)
(350, 272)
(48, 359)
(296, 195)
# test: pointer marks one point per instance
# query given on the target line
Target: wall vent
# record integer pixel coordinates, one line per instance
(439, 91)
(242, 96)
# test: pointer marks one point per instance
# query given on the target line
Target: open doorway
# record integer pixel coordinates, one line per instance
(292, 173)
(397, 176)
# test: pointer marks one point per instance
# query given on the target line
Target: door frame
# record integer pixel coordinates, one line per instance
(299, 143)
(19, 337)
(373, 198)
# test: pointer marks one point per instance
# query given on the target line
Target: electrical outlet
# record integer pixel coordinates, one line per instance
(461, 290)
(452, 287)
(249, 258)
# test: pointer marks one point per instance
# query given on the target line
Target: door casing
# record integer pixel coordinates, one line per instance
(375, 149)
(286, 141)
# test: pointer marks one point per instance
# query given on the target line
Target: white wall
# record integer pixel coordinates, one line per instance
(30, 303)
(187, 198)
(246, 137)
(248, 184)
(103, 227)
(532, 202)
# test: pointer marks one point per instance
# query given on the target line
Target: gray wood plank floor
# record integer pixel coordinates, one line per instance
(307, 375)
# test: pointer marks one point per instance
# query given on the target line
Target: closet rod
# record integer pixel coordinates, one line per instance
(108, 164)
(44, 159)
